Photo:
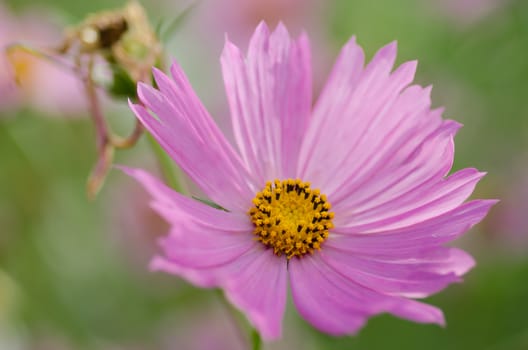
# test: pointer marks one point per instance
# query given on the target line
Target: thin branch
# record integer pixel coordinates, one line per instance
(105, 148)
(128, 142)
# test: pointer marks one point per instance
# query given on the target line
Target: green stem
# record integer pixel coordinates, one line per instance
(256, 340)
(236, 318)
(241, 326)
(168, 169)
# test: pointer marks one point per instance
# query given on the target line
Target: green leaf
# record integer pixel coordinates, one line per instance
(211, 204)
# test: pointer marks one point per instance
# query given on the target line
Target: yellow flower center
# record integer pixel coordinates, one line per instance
(291, 218)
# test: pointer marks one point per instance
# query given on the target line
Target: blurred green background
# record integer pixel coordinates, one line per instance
(73, 272)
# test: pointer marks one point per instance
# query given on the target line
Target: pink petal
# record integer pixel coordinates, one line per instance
(413, 150)
(394, 205)
(256, 283)
(392, 139)
(352, 103)
(259, 289)
(203, 243)
(416, 276)
(196, 246)
(186, 131)
(165, 200)
(269, 94)
(334, 97)
(413, 238)
(373, 145)
(412, 142)
(337, 305)
(211, 247)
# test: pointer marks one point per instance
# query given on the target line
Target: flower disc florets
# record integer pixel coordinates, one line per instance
(291, 218)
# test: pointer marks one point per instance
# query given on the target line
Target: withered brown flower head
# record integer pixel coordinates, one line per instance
(124, 37)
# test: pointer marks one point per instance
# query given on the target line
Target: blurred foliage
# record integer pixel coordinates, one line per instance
(76, 284)
(122, 87)
(57, 250)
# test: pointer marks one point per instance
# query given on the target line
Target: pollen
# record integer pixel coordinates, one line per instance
(291, 218)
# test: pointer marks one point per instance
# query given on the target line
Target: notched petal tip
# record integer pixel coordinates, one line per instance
(175, 63)
(230, 52)
(131, 105)
(392, 46)
(456, 126)
(262, 27)
(439, 111)
(303, 36)
(351, 44)
(489, 203)
(385, 57)
(440, 320)
(428, 89)
(413, 63)
(478, 209)
(141, 113)
(388, 51)
(157, 263)
(143, 91)
(127, 170)
(408, 68)
(177, 73)
(157, 71)
(260, 34)
(464, 262)
(451, 126)
(281, 30)
(159, 75)
(417, 311)
(150, 96)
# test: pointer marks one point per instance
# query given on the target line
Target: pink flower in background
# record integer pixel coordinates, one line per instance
(349, 199)
(466, 12)
(212, 18)
(209, 327)
(44, 86)
(239, 18)
(134, 225)
(508, 226)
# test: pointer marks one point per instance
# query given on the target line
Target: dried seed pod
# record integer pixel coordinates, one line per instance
(123, 37)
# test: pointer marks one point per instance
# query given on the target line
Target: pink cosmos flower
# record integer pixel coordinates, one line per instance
(348, 201)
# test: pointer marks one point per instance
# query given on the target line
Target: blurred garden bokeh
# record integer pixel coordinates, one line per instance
(74, 272)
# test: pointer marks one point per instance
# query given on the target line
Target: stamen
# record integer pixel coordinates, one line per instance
(291, 218)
